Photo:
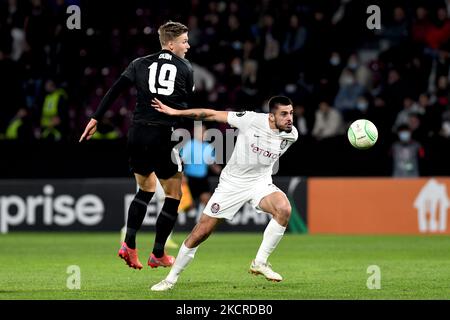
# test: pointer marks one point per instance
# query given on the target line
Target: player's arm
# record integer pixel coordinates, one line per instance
(197, 114)
(120, 85)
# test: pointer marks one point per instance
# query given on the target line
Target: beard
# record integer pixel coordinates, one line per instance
(285, 129)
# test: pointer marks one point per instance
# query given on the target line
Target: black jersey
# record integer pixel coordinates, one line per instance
(162, 75)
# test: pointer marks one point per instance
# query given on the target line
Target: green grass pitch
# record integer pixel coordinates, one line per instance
(34, 266)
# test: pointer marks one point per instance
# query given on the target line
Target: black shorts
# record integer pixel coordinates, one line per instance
(150, 149)
(197, 186)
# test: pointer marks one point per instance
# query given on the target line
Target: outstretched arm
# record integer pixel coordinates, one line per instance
(120, 85)
(197, 114)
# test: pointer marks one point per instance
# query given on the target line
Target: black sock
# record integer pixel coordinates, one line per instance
(136, 214)
(164, 225)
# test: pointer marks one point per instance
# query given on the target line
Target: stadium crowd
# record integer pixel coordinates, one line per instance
(319, 53)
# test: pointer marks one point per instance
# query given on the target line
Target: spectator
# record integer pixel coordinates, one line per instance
(409, 107)
(421, 26)
(292, 48)
(234, 35)
(300, 120)
(334, 67)
(195, 33)
(19, 128)
(393, 94)
(268, 38)
(295, 37)
(442, 62)
(439, 33)
(54, 113)
(328, 122)
(442, 93)
(15, 21)
(329, 81)
(398, 30)
(418, 132)
(268, 52)
(406, 154)
(38, 30)
(431, 119)
(319, 35)
(361, 72)
(362, 109)
(348, 94)
(249, 88)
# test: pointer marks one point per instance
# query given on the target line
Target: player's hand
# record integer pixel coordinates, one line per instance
(90, 130)
(161, 107)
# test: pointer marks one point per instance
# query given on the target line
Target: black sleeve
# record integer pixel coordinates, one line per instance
(121, 84)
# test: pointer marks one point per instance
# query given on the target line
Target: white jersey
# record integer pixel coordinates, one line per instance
(257, 148)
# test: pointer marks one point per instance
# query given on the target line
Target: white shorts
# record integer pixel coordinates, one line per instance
(228, 199)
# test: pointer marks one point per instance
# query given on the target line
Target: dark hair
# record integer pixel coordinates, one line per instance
(171, 30)
(275, 101)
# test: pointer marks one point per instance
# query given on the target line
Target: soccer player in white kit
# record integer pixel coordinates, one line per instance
(247, 177)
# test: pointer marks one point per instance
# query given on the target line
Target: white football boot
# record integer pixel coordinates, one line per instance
(266, 270)
(163, 285)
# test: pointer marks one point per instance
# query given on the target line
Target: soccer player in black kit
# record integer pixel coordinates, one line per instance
(168, 76)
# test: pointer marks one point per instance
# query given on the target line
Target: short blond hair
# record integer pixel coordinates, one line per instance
(170, 31)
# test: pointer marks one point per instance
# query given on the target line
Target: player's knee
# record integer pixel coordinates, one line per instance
(147, 188)
(173, 192)
(174, 195)
(283, 212)
(146, 185)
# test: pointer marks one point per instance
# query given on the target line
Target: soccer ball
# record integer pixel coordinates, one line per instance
(362, 134)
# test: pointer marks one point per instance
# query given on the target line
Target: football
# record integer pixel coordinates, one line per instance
(362, 134)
